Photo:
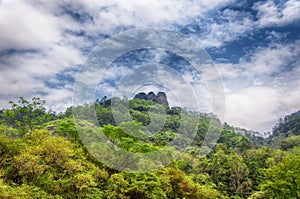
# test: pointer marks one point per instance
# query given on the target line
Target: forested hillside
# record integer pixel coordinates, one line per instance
(42, 156)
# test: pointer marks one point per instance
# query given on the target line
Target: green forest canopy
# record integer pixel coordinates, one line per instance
(42, 156)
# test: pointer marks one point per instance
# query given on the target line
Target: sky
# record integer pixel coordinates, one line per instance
(255, 46)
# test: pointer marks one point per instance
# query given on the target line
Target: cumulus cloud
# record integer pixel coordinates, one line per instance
(24, 27)
(40, 39)
(262, 62)
(263, 86)
(33, 49)
(252, 107)
(231, 25)
(270, 13)
(149, 12)
(23, 74)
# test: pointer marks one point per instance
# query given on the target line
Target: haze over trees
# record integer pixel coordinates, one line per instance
(42, 156)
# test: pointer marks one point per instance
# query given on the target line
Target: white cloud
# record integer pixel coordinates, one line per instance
(271, 14)
(147, 12)
(260, 107)
(232, 25)
(24, 27)
(107, 16)
(263, 86)
(255, 97)
(276, 57)
(260, 64)
(252, 107)
(59, 99)
(40, 50)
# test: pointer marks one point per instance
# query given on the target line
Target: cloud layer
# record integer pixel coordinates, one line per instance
(255, 46)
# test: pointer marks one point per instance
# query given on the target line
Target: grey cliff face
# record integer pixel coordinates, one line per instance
(160, 98)
(142, 96)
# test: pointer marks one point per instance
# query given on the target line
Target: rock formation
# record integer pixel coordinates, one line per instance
(151, 96)
(160, 98)
(142, 96)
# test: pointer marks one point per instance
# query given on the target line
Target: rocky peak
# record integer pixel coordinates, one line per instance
(160, 98)
(151, 96)
(141, 95)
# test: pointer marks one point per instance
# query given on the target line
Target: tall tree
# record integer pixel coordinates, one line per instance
(25, 115)
(283, 179)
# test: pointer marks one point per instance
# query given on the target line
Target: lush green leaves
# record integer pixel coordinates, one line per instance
(283, 180)
(25, 115)
(42, 155)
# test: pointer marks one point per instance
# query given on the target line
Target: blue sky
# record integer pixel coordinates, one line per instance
(255, 46)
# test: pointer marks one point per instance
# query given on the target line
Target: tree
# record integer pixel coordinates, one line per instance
(233, 140)
(229, 172)
(135, 186)
(283, 179)
(56, 166)
(290, 142)
(25, 115)
(176, 184)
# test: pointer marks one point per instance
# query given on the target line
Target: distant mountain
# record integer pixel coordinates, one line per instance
(256, 137)
(287, 127)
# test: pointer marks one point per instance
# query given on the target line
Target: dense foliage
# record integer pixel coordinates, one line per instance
(41, 156)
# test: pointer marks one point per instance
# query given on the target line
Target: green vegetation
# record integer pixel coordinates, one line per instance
(42, 156)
